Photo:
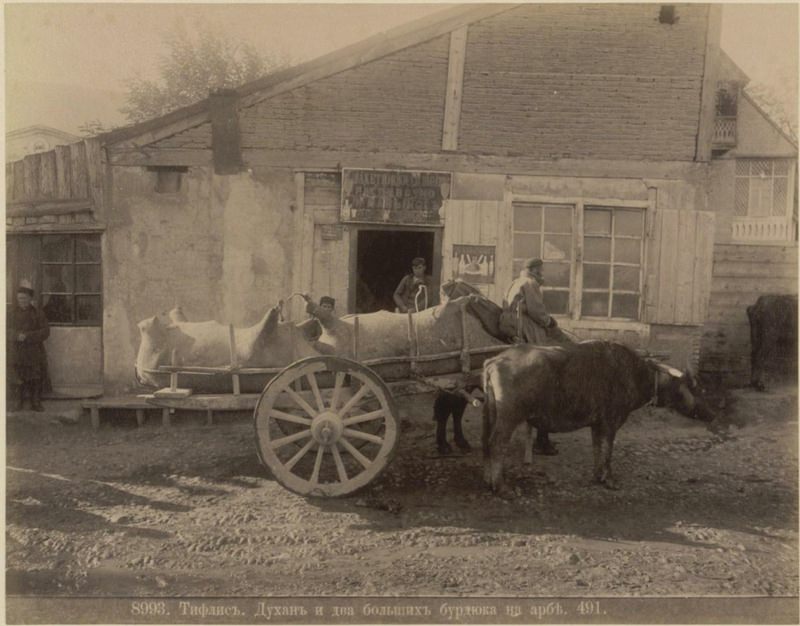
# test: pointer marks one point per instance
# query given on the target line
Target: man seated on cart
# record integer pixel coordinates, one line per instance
(322, 314)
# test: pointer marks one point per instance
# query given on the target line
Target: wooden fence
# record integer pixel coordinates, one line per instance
(65, 176)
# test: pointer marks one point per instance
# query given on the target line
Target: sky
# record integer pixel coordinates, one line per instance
(67, 63)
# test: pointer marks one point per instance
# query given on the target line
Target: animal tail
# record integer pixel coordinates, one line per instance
(489, 408)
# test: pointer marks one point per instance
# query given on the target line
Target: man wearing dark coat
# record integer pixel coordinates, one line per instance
(27, 329)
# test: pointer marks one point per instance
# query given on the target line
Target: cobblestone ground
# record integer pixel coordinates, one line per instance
(190, 511)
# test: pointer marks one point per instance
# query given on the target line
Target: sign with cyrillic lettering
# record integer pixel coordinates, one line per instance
(394, 196)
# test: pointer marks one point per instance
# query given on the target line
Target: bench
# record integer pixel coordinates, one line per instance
(129, 403)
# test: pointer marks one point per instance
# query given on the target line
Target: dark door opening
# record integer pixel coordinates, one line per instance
(383, 258)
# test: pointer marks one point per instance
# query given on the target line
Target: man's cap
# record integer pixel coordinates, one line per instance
(25, 287)
(417, 260)
(327, 300)
(533, 263)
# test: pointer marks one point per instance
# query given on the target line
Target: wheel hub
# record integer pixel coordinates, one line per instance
(326, 428)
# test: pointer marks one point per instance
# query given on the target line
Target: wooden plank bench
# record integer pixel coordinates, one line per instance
(129, 403)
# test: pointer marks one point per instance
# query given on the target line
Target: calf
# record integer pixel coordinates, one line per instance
(593, 384)
(773, 334)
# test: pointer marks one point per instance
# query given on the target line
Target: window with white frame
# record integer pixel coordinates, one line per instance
(545, 231)
(611, 270)
(613, 247)
(762, 187)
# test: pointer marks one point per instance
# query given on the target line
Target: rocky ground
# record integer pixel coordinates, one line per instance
(190, 511)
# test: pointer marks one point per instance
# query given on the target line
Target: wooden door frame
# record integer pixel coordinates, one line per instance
(436, 262)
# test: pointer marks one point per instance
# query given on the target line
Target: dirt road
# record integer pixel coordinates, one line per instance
(190, 511)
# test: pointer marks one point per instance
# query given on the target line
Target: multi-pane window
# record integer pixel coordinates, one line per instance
(545, 231)
(762, 187)
(612, 262)
(65, 271)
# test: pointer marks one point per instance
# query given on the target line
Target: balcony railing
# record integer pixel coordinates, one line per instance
(724, 132)
(762, 229)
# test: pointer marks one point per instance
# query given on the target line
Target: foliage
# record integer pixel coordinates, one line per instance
(194, 65)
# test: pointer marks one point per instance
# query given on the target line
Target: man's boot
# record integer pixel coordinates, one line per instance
(36, 396)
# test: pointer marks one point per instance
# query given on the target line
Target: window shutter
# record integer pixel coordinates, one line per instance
(679, 264)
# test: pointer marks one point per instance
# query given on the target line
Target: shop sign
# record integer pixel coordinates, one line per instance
(473, 264)
(394, 196)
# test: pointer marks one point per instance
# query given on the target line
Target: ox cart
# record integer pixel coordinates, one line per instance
(328, 425)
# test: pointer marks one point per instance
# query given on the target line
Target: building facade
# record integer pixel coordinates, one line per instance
(582, 134)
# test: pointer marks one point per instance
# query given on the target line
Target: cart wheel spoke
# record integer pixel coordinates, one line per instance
(300, 402)
(357, 434)
(352, 401)
(312, 382)
(337, 458)
(364, 417)
(355, 453)
(314, 480)
(300, 454)
(337, 389)
(279, 443)
(288, 417)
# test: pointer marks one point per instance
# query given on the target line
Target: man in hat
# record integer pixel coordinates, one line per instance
(414, 293)
(524, 315)
(27, 329)
(526, 319)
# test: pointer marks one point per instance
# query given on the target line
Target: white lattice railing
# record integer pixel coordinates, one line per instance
(762, 229)
(724, 131)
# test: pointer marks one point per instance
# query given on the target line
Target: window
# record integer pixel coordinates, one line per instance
(545, 231)
(65, 271)
(610, 272)
(612, 262)
(762, 188)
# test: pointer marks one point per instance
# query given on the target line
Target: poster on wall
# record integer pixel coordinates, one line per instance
(394, 196)
(473, 264)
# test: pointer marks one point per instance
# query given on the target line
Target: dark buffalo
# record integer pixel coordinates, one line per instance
(564, 388)
(773, 334)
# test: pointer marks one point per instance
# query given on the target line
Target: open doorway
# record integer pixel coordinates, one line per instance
(383, 257)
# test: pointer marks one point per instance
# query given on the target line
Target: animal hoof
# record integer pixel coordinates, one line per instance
(548, 450)
(759, 386)
(610, 484)
(463, 445)
(444, 449)
(505, 493)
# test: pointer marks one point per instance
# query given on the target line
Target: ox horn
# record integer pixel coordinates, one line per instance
(667, 369)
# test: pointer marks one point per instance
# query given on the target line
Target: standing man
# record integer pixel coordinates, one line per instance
(408, 295)
(27, 330)
(524, 315)
(525, 318)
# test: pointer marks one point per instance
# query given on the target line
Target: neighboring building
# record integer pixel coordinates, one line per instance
(34, 139)
(753, 190)
(476, 138)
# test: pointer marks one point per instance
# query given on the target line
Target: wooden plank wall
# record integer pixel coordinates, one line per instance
(741, 273)
(330, 269)
(71, 172)
(482, 222)
(681, 248)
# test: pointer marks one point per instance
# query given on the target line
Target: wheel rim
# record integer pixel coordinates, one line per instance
(325, 426)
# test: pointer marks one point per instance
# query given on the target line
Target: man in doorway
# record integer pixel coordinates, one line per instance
(26, 331)
(414, 292)
(526, 319)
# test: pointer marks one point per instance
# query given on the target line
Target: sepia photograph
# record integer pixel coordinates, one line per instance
(465, 313)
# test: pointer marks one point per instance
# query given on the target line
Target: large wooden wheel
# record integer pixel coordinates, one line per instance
(326, 426)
